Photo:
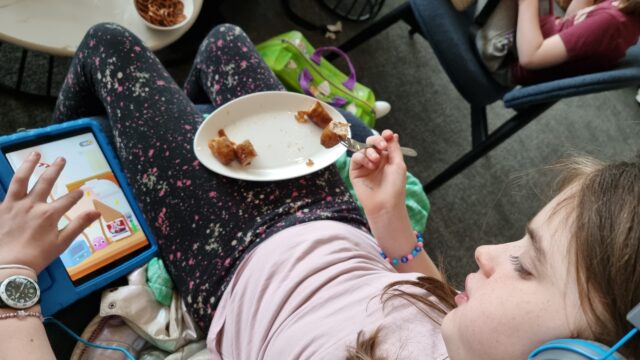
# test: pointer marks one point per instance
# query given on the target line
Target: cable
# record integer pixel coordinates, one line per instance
(620, 343)
(88, 343)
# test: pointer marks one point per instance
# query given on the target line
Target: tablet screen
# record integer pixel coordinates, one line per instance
(117, 235)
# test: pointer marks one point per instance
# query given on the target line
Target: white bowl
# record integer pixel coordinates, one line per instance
(188, 13)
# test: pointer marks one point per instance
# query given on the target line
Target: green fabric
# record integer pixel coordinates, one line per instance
(159, 281)
(416, 200)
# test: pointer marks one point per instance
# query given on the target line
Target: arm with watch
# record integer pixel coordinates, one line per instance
(29, 241)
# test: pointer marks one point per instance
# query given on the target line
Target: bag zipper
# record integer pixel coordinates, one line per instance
(94, 334)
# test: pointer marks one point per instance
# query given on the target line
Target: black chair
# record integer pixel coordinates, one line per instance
(447, 31)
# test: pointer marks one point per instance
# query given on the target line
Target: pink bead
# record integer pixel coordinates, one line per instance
(410, 257)
(389, 260)
(420, 244)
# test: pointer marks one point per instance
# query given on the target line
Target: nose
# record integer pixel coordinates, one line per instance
(485, 259)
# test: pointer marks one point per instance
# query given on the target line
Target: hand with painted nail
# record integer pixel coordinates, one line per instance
(29, 232)
(379, 174)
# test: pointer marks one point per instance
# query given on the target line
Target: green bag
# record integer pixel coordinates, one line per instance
(302, 69)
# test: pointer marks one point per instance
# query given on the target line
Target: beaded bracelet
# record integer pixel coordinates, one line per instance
(405, 259)
(21, 314)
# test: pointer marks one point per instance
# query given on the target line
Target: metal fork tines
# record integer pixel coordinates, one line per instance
(355, 145)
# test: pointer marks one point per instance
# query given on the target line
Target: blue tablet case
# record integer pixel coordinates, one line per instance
(57, 289)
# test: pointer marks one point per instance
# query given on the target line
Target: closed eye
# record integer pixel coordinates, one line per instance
(519, 267)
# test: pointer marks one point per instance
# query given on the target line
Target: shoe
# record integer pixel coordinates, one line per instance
(381, 108)
(462, 5)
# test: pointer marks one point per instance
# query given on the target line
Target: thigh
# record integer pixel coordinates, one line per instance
(228, 66)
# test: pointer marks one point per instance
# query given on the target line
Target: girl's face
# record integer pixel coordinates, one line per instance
(523, 295)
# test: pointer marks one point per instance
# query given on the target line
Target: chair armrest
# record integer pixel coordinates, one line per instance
(626, 74)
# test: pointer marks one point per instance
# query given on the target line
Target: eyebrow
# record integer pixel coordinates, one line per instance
(539, 252)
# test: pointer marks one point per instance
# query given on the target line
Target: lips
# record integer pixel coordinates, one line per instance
(463, 297)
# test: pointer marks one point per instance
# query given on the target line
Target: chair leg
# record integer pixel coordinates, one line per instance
(402, 12)
(479, 128)
(510, 127)
(50, 75)
(23, 61)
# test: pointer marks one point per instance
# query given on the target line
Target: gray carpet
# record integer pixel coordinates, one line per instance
(488, 203)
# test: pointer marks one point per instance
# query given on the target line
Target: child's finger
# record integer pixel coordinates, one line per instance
(387, 134)
(377, 141)
(20, 182)
(395, 154)
(45, 183)
(372, 154)
(66, 202)
(360, 160)
(75, 227)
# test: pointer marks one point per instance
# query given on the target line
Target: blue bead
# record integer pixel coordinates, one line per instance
(418, 248)
(414, 253)
(383, 254)
(404, 259)
(394, 262)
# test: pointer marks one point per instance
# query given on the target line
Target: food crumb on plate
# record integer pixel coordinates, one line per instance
(309, 162)
(301, 117)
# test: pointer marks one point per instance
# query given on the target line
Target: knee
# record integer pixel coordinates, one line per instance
(228, 32)
(110, 36)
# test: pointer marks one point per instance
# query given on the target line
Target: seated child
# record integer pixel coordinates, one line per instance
(519, 47)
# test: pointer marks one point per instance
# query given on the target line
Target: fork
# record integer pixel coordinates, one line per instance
(355, 145)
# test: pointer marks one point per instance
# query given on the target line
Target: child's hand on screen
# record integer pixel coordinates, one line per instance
(29, 225)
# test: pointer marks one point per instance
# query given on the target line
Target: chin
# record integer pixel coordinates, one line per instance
(447, 329)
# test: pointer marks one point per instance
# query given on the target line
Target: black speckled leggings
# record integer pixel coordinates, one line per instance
(203, 222)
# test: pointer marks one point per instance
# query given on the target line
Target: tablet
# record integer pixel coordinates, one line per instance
(115, 244)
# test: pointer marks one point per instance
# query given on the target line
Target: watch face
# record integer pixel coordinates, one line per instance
(19, 292)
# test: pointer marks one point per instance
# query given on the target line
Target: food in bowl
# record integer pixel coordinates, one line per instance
(163, 13)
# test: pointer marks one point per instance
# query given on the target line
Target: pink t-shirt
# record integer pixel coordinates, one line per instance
(307, 291)
(596, 38)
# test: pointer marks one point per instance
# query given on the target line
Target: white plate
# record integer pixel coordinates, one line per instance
(283, 145)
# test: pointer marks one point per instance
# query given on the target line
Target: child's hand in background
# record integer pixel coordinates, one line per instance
(379, 174)
(29, 225)
(563, 4)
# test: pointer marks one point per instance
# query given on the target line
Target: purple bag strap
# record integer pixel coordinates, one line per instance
(305, 80)
(316, 57)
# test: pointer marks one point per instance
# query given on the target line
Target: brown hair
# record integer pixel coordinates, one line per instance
(629, 7)
(440, 289)
(606, 246)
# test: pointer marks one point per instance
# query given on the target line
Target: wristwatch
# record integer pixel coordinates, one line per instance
(19, 292)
